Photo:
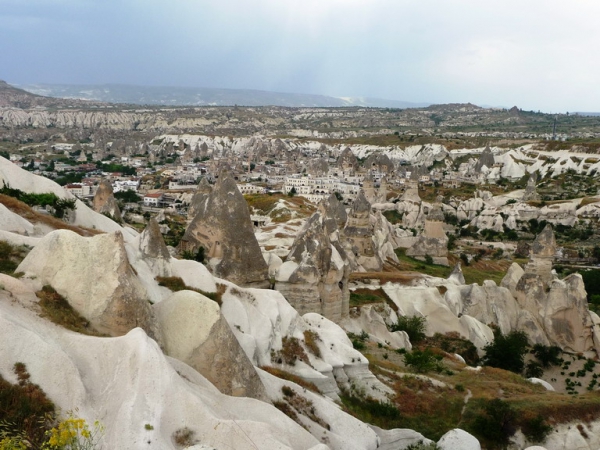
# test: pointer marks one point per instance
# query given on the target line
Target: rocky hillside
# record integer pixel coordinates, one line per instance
(12, 97)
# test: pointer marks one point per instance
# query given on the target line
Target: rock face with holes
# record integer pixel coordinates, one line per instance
(104, 201)
(196, 333)
(112, 299)
(433, 241)
(358, 234)
(314, 277)
(223, 227)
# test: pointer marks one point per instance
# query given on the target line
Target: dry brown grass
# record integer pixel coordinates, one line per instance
(58, 310)
(32, 216)
(588, 200)
(176, 284)
(311, 339)
(279, 373)
(384, 277)
(291, 351)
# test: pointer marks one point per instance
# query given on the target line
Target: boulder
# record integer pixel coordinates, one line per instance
(399, 438)
(195, 332)
(111, 298)
(458, 439)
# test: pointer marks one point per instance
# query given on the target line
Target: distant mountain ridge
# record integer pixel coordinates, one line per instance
(189, 96)
(11, 96)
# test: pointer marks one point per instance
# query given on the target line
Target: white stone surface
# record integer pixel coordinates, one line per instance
(458, 439)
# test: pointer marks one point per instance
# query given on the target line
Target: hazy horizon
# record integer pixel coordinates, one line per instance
(535, 55)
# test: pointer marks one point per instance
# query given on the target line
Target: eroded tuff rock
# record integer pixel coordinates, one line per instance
(530, 190)
(196, 333)
(314, 278)
(347, 161)
(411, 207)
(199, 197)
(433, 241)
(457, 274)
(154, 250)
(104, 201)
(558, 306)
(358, 233)
(223, 227)
(111, 298)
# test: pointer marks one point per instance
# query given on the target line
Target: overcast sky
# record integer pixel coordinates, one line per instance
(536, 54)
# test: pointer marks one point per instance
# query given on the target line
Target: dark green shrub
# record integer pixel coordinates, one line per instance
(496, 423)
(413, 326)
(453, 342)
(533, 370)
(547, 355)
(358, 340)
(536, 430)
(507, 351)
(423, 361)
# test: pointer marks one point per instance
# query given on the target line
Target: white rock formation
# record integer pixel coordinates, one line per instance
(112, 299)
(127, 382)
(458, 439)
(196, 333)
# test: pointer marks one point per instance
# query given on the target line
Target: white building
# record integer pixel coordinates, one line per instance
(246, 188)
(153, 200)
(317, 188)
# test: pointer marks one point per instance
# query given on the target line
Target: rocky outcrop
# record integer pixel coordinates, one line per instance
(223, 227)
(317, 167)
(314, 277)
(442, 313)
(195, 332)
(557, 307)
(347, 161)
(105, 203)
(379, 162)
(112, 299)
(433, 241)
(199, 197)
(530, 191)
(411, 207)
(486, 159)
(375, 320)
(542, 254)
(457, 275)
(154, 250)
(358, 233)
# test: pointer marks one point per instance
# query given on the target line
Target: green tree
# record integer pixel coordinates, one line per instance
(423, 361)
(497, 423)
(413, 326)
(507, 351)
